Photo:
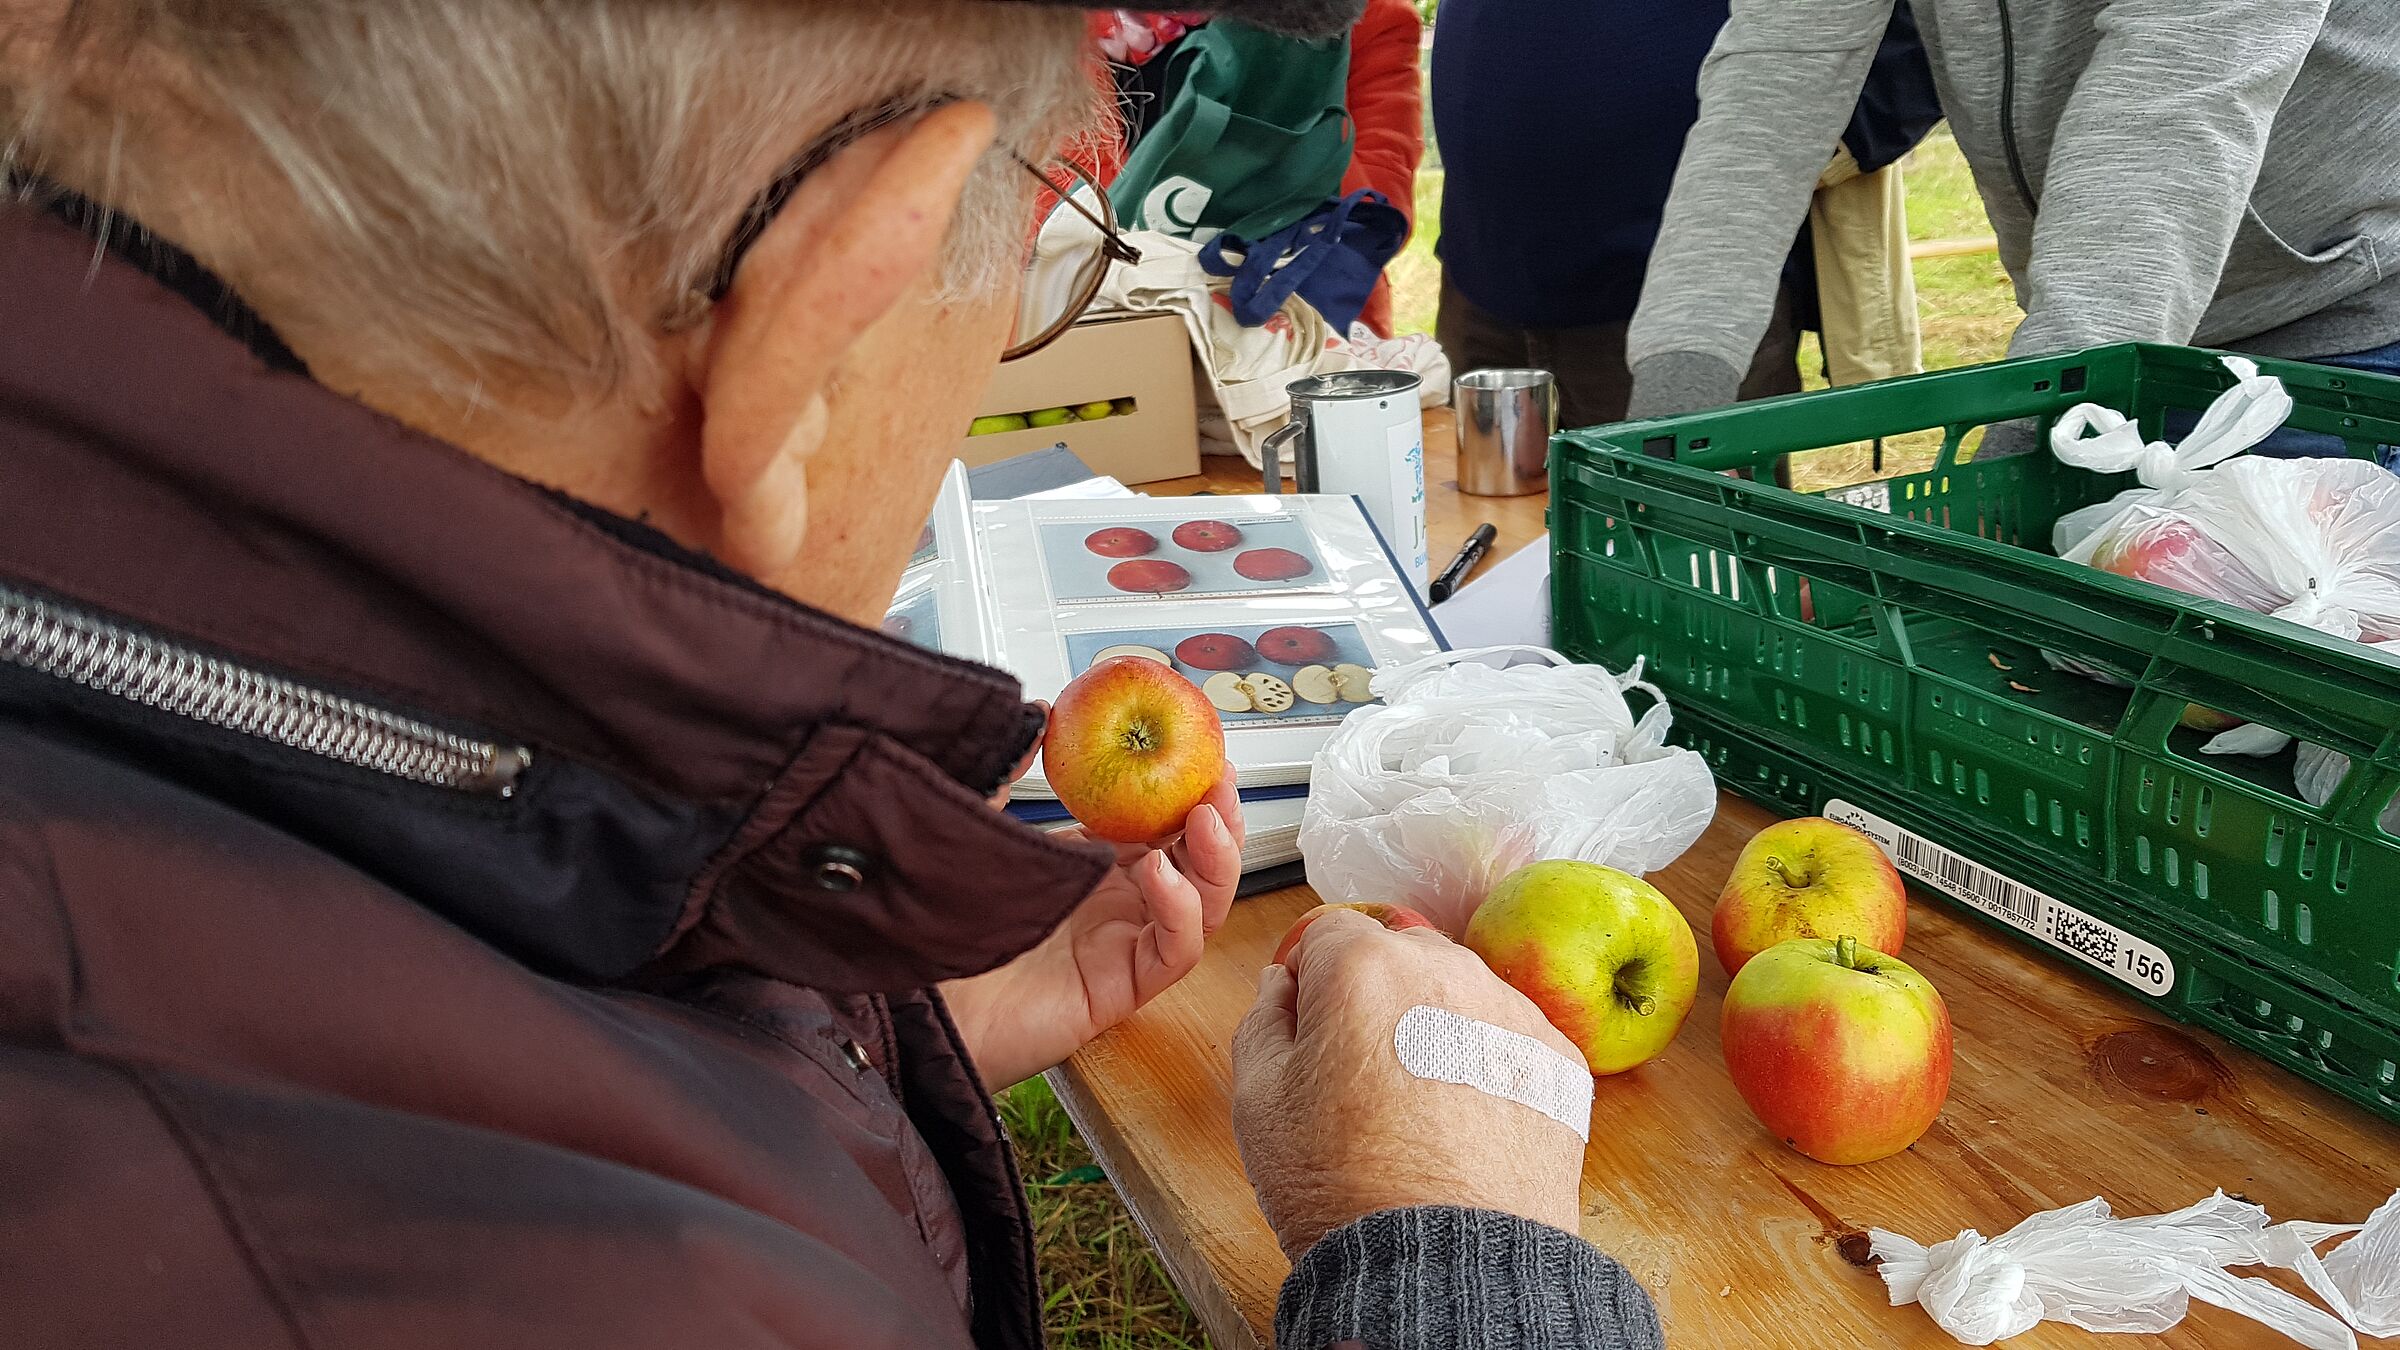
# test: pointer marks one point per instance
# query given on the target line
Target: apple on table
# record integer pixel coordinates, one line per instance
(1808, 878)
(1607, 959)
(1840, 1050)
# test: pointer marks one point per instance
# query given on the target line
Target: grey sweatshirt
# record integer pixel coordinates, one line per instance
(2220, 172)
(1439, 1278)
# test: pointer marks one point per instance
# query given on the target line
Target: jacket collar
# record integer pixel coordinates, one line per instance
(718, 774)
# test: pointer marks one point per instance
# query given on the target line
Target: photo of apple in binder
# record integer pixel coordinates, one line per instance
(1254, 674)
(1091, 560)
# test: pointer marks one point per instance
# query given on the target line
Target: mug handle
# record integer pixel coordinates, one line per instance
(1270, 455)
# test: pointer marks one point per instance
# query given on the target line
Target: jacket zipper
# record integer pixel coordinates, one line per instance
(51, 639)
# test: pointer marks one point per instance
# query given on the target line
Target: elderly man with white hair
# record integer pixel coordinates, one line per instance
(467, 876)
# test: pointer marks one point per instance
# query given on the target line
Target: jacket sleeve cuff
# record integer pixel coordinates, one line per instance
(1673, 383)
(1443, 1278)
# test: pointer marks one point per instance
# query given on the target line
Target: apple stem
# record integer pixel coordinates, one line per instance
(1776, 865)
(1845, 952)
(1645, 1005)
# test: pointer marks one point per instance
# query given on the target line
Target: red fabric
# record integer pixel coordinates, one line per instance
(1387, 108)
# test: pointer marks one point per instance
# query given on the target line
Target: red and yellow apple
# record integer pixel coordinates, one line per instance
(1841, 1051)
(1398, 918)
(1604, 956)
(1808, 878)
(2174, 553)
(1131, 748)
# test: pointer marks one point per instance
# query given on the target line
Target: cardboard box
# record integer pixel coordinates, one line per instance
(1143, 357)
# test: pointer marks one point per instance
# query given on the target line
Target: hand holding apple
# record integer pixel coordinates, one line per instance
(1398, 918)
(1841, 1051)
(1808, 878)
(1142, 929)
(1332, 1129)
(1131, 748)
(1606, 958)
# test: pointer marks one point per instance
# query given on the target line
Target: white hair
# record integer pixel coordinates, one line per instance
(536, 187)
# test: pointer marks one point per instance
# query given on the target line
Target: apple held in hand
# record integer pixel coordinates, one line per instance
(1842, 1051)
(1398, 918)
(1131, 748)
(1606, 957)
(1808, 878)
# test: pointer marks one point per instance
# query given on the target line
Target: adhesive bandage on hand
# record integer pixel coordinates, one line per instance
(1444, 1047)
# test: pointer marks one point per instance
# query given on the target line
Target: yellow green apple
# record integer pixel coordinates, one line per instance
(1840, 1050)
(997, 423)
(1808, 878)
(1131, 748)
(1606, 957)
(1051, 417)
(1093, 412)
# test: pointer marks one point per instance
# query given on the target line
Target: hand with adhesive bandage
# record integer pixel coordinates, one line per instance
(1387, 1070)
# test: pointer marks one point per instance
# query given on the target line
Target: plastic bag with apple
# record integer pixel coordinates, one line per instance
(1467, 771)
(2314, 541)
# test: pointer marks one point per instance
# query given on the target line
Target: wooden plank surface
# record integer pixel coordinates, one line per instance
(2062, 1089)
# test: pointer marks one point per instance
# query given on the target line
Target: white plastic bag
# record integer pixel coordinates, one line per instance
(2317, 772)
(2085, 1266)
(1467, 772)
(2313, 541)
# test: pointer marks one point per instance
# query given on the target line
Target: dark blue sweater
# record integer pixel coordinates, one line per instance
(1559, 123)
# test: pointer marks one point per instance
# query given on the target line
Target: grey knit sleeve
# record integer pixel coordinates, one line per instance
(1441, 1278)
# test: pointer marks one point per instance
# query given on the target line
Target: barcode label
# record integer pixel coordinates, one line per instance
(2095, 942)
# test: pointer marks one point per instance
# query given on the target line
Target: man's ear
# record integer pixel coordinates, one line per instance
(849, 245)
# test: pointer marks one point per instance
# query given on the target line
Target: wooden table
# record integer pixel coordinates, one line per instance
(2062, 1089)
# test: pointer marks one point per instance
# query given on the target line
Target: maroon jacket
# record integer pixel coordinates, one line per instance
(434, 913)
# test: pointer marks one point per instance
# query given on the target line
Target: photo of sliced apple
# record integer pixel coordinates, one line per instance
(1354, 683)
(1132, 649)
(1226, 692)
(1267, 693)
(1152, 576)
(1215, 651)
(1121, 541)
(1316, 684)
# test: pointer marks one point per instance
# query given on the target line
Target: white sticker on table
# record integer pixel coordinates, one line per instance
(2094, 941)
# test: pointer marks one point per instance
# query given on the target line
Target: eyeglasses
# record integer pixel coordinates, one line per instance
(1065, 269)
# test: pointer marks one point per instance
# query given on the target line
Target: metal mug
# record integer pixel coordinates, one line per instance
(1505, 421)
(1360, 433)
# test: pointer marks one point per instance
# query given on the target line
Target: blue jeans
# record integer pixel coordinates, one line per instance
(2286, 443)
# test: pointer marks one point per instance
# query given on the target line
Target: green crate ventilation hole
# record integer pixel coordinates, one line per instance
(1813, 653)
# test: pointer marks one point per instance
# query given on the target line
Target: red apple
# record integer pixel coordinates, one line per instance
(1808, 878)
(1604, 956)
(1295, 646)
(1131, 748)
(1152, 575)
(1121, 541)
(1843, 1052)
(1207, 536)
(1215, 651)
(2176, 554)
(1272, 564)
(1398, 918)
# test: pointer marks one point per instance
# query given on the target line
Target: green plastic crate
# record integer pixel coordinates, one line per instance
(1884, 647)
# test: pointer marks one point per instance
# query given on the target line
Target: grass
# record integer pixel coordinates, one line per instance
(1104, 1289)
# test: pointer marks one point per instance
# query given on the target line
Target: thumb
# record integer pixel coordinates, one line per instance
(1266, 1036)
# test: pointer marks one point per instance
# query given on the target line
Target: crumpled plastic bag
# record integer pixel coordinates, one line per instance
(2317, 772)
(1466, 772)
(2085, 1266)
(2313, 541)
